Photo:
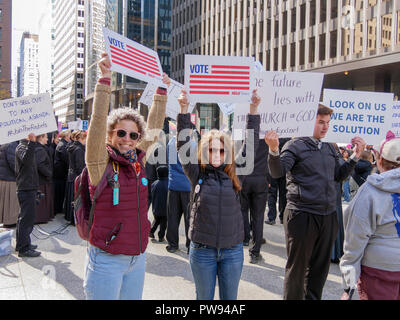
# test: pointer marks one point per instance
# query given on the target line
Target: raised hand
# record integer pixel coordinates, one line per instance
(105, 65)
(359, 146)
(272, 140)
(255, 101)
(166, 79)
(183, 101)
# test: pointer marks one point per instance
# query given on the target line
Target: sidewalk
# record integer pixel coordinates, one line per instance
(58, 273)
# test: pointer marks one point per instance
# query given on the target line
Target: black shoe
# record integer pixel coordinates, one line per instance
(188, 250)
(281, 221)
(255, 258)
(246, 243)
(171, 249)
(263, 241)
(29, 253)
(151, 235)
(336, 261)
(161, 240)
(33, 247)
(270, 222)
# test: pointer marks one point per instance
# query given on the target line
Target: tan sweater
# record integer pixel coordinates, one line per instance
(96, 154)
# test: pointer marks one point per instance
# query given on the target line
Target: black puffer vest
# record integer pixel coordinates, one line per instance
(215, 217)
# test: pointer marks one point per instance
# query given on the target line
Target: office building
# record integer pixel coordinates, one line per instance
(28, 71)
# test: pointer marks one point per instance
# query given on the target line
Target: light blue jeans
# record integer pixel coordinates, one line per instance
(113, 277)
(208, 262)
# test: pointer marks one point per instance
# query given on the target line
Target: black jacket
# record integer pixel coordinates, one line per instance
(311, 174)
(76, 158)
(61, 162)
(25, 166)
(7, 161)
(44, 163)
(159, 192)
(361, 172)
(215, 216)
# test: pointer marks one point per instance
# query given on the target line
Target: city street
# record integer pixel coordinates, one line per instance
(58, 273)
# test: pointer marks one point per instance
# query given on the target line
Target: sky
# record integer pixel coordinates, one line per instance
(26, 16)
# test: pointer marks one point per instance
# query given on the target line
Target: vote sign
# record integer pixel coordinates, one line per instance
(219, 79)
(25, 115)
(359, 113)
(133, 59)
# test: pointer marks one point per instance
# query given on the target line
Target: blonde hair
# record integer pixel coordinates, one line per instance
(78, 134)
(203, 155)
(121, 114)
(64, 133)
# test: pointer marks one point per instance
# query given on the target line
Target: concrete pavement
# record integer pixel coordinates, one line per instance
(58, 273)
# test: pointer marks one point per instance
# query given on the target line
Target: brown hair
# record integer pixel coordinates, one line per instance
(121, 114)
(203, 152)
(389, 165)
(366, 155)
(78, 134)
(324, 110)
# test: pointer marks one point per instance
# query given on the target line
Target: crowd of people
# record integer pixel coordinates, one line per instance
(185, 176)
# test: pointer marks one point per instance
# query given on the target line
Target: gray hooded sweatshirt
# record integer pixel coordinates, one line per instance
(372, 227)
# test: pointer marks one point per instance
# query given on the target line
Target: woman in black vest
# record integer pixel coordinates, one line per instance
(216, 224)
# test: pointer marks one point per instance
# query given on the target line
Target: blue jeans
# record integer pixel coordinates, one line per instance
(346, 190)
(113, 277)
(208, 262)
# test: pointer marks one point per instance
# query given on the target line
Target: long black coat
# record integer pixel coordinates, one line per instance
(76, 159)
(61, 162)
(7, 161)
(44, 163)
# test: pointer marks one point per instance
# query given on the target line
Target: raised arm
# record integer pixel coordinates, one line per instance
(96, 154)
(155, 121)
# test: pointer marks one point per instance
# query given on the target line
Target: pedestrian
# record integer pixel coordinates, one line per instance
(115, 261)
(253, 199)
(372, 231)
(9, 207)
(178, 198)
(312, 169)
(53, 145)
(45, 206)
(27, 188)
(346, 183)
(363, 168)
(61, 170)
(159, 190)
(277, 187)
(76, 158)
(216, 223)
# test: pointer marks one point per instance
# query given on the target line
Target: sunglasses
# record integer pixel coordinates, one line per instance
(122, 133)
(215, 150)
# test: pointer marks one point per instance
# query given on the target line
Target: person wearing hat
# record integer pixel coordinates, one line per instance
(312, 170)
(372, 231)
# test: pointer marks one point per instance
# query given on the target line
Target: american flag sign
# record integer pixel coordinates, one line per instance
(219, 79)
(133, 59)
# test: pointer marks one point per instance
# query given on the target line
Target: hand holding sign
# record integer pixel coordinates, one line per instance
(105, 65)
(183, 101)
(272, 140)
(359, 146)
(166, 79)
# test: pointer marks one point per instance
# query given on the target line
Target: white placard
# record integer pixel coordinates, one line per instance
(25, 115)
(219, 79)
(133, 59)
(396, 119)
(358, 113)
(289, 103)
(174, 91)
(227, 108)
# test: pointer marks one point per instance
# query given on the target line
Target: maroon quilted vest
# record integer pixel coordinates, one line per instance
(123, 228)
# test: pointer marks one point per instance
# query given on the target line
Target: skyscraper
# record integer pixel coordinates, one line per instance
(69, 48)
(5, 48)
(28, 77)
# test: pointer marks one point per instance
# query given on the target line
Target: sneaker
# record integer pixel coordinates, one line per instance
(171, 249)
(254, 259)
(29, 254)
(270, 222)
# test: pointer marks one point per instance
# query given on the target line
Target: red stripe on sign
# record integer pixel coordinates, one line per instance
(130, 61)
(210, 92)
(220, 82)
(216, 87)
(231, 67)
(229, 72)
(129, 55)
(219, 77)
(148, 56)
(127, 66)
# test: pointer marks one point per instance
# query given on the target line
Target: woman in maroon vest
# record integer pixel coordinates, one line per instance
(115, 265)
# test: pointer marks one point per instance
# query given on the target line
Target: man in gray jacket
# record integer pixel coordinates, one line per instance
(312, 168)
